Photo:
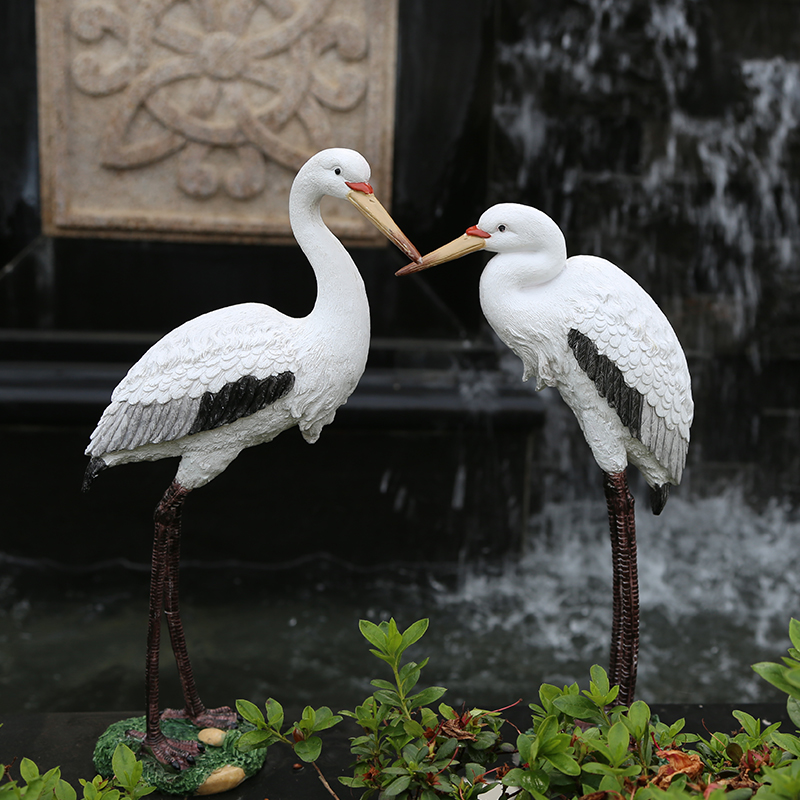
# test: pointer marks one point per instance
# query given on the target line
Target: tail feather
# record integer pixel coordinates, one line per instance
(95, 466)
(658, 497)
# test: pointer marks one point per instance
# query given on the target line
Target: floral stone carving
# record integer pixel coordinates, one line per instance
(187, 119)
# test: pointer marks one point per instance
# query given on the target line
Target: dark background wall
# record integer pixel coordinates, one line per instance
(661, 135)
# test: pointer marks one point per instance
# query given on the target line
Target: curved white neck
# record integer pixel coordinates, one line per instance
(341, 296)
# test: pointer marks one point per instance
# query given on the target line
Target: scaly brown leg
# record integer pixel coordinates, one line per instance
(194, 709)
(178, 754)
(625, 629)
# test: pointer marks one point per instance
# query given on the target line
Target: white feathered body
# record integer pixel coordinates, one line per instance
(534, 313)
(310, 365)
(154, 406)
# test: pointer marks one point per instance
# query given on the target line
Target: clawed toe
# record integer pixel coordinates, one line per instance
(223, 717)
(176, 753)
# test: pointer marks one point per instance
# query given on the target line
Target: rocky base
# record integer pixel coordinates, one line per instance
(221, 767)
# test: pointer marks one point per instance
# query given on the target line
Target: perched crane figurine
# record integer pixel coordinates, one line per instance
(584, 326)
(234, 378)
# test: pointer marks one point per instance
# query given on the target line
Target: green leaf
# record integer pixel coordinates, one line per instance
(547, 729)
(393, 638)
(34, 789)
(596, 768)
(390, 698)
(251, 712)
(409, 676)
(252, 740)
(64, 791)
(373, 634)
(532, 780)
(750, 724)
(738, 794)
(484, 740)
(427, 696)
(675, 728)
(559, 743)
(325, 719)
(308, 719)
(381, 684)
(446, 748)
(608, 700)
(638, 719)
(28, 770)
(413, 633)
(792, 676)
(547, 694)
(396, 786)
(564, 763)
(275, 715)
(734, 752)
(308, 750)
(776, 674)
(447, 711)
(124, 764)
(793, 710)
(413, 728)
(473, 771)
(577, 706)
(618, 742)
(526, 744)
(389, 659)
(429, 718)
(787, 742)
(353, 783)
(600, 679)
(794, 632)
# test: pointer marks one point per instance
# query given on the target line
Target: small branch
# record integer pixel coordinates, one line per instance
(324, 782)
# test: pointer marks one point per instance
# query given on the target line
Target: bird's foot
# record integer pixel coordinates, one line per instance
(223, 717)
(175, 753)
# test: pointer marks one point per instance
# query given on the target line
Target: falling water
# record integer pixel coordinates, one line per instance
(717, 591)
(716, 172)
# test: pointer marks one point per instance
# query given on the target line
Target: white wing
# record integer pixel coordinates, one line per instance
(225, 357)
(630, 330)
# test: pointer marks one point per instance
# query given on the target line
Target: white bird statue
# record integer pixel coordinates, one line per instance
(584, 326)
(234, 378)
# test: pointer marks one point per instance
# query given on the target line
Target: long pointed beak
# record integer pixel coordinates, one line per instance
(363, 198)
(474, 239)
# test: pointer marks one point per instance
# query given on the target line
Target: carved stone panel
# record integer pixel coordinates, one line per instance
(187, 119)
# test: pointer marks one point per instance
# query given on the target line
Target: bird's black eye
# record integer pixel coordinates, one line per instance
(501, 228)
(338, 171)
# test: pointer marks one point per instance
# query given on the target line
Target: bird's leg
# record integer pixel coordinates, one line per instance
(176, 753)
(194, 709)
(625, 630)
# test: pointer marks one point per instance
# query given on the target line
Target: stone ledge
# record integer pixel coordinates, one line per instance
(34, 391)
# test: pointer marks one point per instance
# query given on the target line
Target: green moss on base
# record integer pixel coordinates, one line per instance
(166, 779)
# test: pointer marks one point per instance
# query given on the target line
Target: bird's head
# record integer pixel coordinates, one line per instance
(503, 228)
(345, 174)
(336, 170)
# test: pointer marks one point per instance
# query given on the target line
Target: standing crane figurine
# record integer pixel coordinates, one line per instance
(584, 326)
(234, 378)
